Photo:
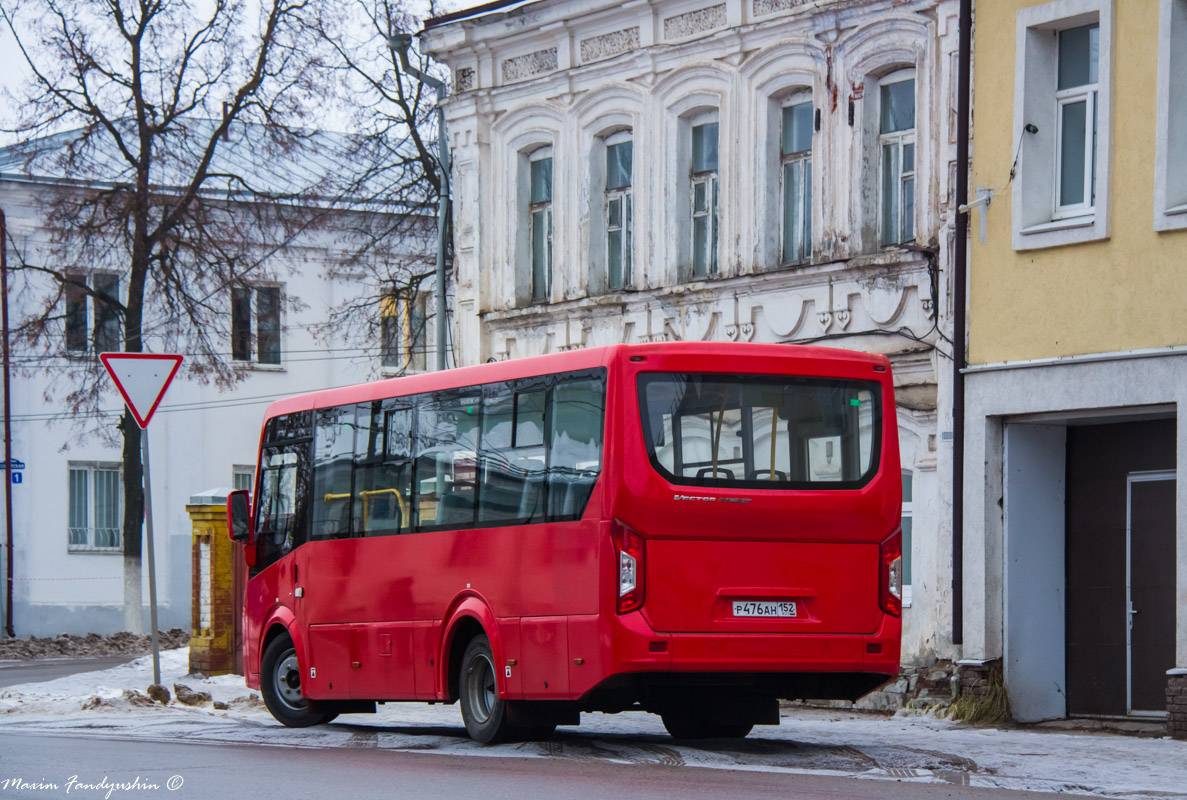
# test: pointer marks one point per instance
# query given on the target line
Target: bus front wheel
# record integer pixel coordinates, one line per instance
(483, 711)
(280, 685)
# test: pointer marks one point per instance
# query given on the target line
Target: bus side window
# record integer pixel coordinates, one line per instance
(513, 456)
(382, 469)
(575, 452)
(333, 456)
(447, 459)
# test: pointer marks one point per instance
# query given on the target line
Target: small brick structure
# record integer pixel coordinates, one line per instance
(977, 676)
(1176, 703)
(213, 640)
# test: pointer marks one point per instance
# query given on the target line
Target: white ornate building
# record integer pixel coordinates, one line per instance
(747, 170)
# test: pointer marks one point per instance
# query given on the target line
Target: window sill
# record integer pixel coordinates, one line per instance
(252, 365)
(1176, 210)
(1083, 221)
(95, 551)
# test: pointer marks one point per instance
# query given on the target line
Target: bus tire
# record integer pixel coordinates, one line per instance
(684, 725)
(483, 711)
(280, 686)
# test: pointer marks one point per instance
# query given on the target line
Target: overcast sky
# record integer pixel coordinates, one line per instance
(14, 70)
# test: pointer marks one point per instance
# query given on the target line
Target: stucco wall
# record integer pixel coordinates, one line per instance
(1114, 295)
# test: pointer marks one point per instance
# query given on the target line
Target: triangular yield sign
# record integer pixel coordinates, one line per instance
(142, 379)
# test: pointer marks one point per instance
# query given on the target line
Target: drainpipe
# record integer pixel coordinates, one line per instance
(7, 430)
(399, 43)
(959, 298)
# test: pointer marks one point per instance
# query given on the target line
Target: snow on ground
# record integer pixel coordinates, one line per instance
(905, 748)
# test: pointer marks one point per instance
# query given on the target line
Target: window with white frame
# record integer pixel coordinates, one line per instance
(255, 324)
(402, 332)
(101, 294)
(93, 496)
(1170, 158)
(540, 223)
(1062, 129)
(704, 180)
(243, 477)
(619, 169)
(1075, 121)
(896, 157)
(908, 522)
(796, 162)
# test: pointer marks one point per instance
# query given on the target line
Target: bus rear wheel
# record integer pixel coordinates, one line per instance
(483, 711)
(693, 725)
(280, 685)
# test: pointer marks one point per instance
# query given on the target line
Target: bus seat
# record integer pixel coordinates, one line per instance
(530, 502)
(456, 509)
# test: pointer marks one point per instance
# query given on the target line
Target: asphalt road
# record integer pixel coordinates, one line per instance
(87, 766)
(46, 669)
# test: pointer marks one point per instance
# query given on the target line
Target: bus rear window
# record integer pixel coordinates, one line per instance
(762, 432)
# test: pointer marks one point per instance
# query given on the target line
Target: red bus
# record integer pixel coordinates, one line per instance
(694, 530)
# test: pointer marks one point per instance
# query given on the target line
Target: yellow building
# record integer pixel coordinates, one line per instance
(1075, 511)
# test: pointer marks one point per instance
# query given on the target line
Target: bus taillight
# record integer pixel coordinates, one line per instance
(629, 546)
(891, 594)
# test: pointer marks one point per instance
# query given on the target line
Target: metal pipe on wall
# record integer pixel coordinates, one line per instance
(960, 260)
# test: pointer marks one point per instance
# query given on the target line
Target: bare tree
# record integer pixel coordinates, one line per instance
(135, 105)
(393, 254)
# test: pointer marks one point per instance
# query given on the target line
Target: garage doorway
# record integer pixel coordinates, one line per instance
(1120, 557)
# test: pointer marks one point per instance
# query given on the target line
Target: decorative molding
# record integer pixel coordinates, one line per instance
(463, 80)
(764, 7)
(523, 67)
(694, 22)
(608, 45)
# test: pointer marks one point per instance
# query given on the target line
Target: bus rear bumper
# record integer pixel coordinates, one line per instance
(796, 665)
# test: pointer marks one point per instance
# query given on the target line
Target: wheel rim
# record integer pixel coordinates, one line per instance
(287, 679)
(481, 688)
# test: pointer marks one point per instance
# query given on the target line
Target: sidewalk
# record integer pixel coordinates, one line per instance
(903, 748)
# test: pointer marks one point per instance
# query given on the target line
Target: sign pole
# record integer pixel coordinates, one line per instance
(142, 379)
(152, 561)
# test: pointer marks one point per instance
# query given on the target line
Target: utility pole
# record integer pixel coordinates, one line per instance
(399, 43)
(8, 627)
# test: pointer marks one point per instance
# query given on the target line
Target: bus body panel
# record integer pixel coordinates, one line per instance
(830, 588)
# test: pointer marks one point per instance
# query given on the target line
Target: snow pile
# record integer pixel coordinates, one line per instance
(125, 688)
(92, 644)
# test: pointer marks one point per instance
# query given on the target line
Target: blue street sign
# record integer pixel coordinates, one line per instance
(16, 477)
(15, 464)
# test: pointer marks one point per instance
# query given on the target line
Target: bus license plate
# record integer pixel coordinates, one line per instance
(764, 608)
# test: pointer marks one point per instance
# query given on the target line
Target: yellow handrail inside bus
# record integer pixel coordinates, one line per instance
(367, 495)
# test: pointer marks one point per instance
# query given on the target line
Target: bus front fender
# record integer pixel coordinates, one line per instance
(284, 618)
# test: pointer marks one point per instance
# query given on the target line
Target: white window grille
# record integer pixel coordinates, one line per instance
(94, 494)
(796, 162)
(619, 169)
(540, 222)
(1075, 119)
(896, 144)
(704, 180)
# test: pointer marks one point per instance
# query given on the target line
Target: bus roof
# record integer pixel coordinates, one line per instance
(569, 361)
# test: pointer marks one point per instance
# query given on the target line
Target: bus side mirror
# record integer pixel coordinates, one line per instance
(239, 516)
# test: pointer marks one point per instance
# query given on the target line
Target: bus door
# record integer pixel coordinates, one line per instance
(349, 571)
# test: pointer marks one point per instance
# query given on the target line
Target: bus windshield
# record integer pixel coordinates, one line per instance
(762, 432)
